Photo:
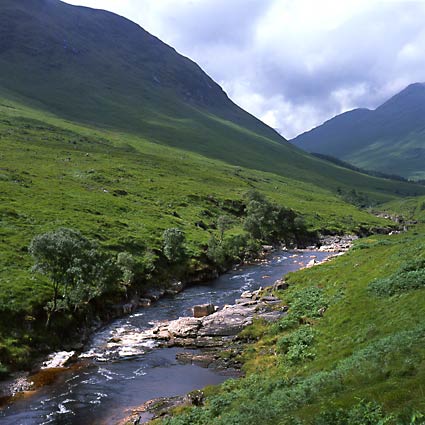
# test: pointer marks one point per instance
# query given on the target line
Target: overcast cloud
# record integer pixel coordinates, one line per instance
(292, 63)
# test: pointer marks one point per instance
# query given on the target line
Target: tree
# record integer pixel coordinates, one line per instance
(270, 222)
(223, 223)
(215, 251)
(173, 245)
(77, 271)
(126, 263)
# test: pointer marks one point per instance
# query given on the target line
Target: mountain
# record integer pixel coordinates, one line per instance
(99, 69)
(389, 139)
(116, 74)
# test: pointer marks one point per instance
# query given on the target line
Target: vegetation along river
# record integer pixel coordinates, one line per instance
(118, 371)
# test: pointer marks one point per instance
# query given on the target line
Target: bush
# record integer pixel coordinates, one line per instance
(363, 413)
(234, 248)
(304, 304)
(269, 222)
(297, 345)
(174, 248)
(410, 276)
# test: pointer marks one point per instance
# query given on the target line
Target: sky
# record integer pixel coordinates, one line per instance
(292, 63)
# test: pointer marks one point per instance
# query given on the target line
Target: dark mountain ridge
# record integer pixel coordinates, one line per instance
(390, 138)
(102, 56)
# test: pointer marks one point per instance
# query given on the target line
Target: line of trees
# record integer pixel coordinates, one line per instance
(79, 271)
(264, 222)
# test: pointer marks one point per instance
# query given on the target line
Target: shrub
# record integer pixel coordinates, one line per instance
(174, 248)
(297, 345)
(363, 413)
(269, 222)
(304, 304)
(410, 276)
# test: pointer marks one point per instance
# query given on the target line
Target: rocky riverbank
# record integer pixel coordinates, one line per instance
(207, 334)
(216, 338)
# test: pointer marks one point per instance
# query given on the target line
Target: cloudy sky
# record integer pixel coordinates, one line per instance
(292, 63)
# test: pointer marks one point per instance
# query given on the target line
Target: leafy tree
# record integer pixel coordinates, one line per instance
(223, 223)
(93, 274)
(266, 221)
(215, 251)
(126, 263)
(174, 248)
(77, 271)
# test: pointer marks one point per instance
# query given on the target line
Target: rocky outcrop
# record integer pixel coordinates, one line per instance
(337, 243)
(223, 325)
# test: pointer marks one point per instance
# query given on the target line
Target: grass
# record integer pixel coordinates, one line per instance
(124, 192)
(121, 191)
(364, 359)
(411, 209)
(107, 130)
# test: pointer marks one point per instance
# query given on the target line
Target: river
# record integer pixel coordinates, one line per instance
(118, 370)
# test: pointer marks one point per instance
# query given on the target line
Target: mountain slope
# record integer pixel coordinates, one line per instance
(390, 138)
(97, 68)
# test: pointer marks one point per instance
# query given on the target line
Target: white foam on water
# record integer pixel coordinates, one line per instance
(58, 359)
(242, 276)
(62, 410)
(108, 374)
(98, 398)
(139, 372)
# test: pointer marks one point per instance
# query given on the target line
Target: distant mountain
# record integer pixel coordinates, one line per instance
(389, 139)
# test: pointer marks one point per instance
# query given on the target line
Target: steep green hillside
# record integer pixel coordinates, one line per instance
(98, 68)
(389, 139)
(361, 362)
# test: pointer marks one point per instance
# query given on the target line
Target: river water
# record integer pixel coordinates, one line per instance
(120, 370)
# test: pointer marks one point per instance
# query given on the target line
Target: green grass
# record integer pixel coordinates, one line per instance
(365, 347)
(122, 191)
(107, 72)
(405, 156)
(411, 209)
(107, 130)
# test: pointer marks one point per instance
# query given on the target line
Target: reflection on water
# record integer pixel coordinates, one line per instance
(121, 367)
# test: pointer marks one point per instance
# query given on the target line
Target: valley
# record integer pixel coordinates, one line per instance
(128, 177)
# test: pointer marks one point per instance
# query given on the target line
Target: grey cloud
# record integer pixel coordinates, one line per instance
(213, 22)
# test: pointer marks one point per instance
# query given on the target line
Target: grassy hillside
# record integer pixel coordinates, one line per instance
(411, 209)
(389, 139)
(105, 129)
(363, 362)
(100, 69)
(121, 191)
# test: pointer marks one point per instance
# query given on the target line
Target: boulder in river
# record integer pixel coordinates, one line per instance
(203, 310)
(185, 327)
(174, 288)
(280, 285)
